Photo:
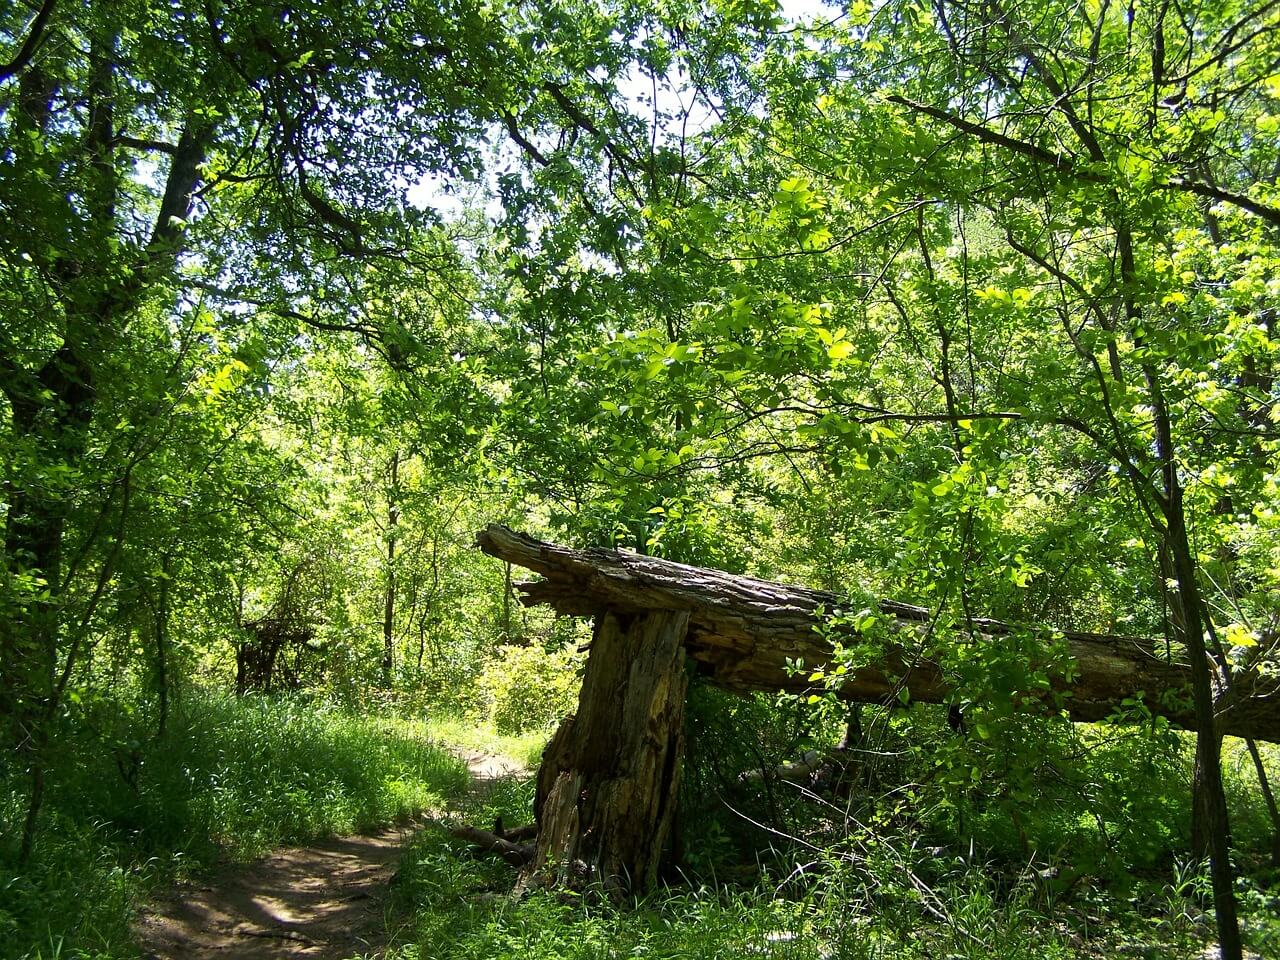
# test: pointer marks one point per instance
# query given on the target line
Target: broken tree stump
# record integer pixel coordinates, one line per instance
(607, 787)
(610, 777)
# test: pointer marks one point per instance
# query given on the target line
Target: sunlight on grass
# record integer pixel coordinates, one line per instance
(232, 778)
(483, 737)
(235, 778)
(462, 912)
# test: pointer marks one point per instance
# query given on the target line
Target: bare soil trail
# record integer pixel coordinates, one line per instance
(327, 901)
(488, 769)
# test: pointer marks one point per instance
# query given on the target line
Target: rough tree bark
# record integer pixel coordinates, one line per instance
(609, 780)
(743, 632)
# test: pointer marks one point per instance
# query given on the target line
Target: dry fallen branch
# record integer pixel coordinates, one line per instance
(516, 854)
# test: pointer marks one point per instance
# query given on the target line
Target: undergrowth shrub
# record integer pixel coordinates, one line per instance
(1251, 827)
(524, 688)
(1076, 806)
(836, 914)
(731, 741)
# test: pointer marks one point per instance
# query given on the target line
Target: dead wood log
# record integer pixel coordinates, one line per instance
(516, 854)
(745, 634)
(526, 832)
(797, 771)
(609, 779)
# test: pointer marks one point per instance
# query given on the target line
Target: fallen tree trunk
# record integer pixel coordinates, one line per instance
(746, 634)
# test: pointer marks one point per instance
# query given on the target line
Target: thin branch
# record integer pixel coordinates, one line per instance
(287, 313)
(987, 135)
(1068, 166)
(1227, 51)
(525, 144)
(142, 143)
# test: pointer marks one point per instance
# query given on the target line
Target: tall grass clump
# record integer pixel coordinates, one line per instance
(462, 912)
(229, 778)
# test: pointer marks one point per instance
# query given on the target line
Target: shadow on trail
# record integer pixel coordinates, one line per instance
(330, 900)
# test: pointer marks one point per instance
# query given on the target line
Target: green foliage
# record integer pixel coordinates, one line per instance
(836, 915)
(230, 778)
(528, 688)
(970, 305)
(465, 733)
(730, 741)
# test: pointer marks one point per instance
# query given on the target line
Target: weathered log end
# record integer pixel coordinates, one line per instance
(609, 779)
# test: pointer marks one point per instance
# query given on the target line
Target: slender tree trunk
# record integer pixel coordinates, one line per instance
(162, 647)
(389, 597)
(35, 801)
(52, 410)
(1208, 798)
(1270, 798)
(54, 421)
(506, 603)
(33, 547)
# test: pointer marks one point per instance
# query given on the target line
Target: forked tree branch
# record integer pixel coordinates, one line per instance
(1068, 166)
(35, 35)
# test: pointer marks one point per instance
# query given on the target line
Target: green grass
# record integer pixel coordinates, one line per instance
(233, 778)
(463, 912)
(230, 779)
(462, 909)
(484, 737)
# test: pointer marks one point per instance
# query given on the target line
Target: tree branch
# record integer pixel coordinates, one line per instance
(523, 142)
(179, 189)
(1201, 189)
(141, 143)
(1068, 166)
(287, 313)
(987, 135)
(35, 35)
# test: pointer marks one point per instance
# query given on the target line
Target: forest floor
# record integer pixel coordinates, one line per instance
(326, 901)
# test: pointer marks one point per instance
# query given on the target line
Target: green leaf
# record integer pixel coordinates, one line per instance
(840, 350)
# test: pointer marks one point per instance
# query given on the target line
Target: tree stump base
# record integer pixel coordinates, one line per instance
(608, 784)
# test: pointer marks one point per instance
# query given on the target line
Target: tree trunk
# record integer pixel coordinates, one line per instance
(50, 415)
(162, 646)
(609, 779)
(1208, 800)
(389, 597)
(1272, 810)
(747, 634)
(53, 418)
(506, 603)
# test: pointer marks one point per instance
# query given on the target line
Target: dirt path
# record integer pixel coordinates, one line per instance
(325, 901)
(487, 769)
(328, 901)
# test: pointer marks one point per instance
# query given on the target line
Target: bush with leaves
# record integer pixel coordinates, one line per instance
(528, 688)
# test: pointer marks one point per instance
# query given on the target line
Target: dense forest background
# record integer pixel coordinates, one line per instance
(969, 303)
